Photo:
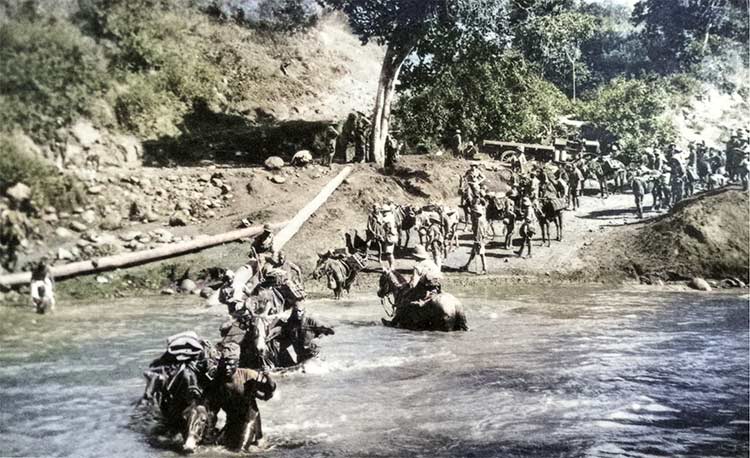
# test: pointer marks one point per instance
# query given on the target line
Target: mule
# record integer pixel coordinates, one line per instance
(441, 312)
(550, 211)
(339, 273)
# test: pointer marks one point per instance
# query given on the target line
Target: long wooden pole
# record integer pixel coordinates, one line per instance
(288, 230)
(138, 257)
(294, 225)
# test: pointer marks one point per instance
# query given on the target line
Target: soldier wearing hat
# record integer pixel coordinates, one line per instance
(264, 242)
(424, 283)
(390, 233)
(509, 216)
(235, 390)
(332, 136)
(744, 167)
(481, 233)
(456, 143)
(528, 226)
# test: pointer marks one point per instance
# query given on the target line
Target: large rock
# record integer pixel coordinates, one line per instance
(278, 179)
(179, 219)
(86, 134)
(699, 284)
(89, 216)
(19, 192)
(274, 163)
(302, 158)
(64, 254)
(78, 226)
(63, 233)
(130, 149)
(111, 222)
(187, 285)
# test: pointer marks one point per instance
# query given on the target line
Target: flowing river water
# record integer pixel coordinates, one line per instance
(555, 372)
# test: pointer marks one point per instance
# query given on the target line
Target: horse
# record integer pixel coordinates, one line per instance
(550, 211)
(339, 273)
(177, 387)
(441, 312)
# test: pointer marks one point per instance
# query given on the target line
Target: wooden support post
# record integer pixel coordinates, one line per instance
(294, 225)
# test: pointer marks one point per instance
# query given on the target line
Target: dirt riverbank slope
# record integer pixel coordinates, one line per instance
(706, 235)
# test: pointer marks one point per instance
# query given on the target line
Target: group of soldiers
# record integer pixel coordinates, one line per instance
(232, 374)
(356, 130)
(671, 174)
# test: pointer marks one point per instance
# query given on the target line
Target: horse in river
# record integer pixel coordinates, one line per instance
(176, 383)
(267, 343)
(340, 271)
(441, 312)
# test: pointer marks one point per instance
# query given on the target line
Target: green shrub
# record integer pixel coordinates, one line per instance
(49, 72)
(48, 186)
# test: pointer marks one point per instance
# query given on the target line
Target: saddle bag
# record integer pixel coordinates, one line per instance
(558, 203)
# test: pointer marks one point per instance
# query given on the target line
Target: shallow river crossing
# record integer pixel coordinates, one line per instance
(564, 372)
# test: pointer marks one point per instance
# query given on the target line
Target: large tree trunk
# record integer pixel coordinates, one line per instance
(394, 59)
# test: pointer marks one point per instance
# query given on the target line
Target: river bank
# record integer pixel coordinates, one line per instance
(603, 241)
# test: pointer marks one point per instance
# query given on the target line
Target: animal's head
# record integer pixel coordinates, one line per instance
(385, 285)
(196, 423)
(318, 272)
(258, 332)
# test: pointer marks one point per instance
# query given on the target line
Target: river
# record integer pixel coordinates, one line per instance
(563, 372)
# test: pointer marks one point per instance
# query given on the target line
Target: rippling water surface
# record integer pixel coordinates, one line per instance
(548, 372)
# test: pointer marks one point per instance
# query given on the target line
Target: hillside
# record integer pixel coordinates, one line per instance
(707, 235)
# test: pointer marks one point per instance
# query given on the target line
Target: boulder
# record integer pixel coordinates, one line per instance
(128, 236)
(274, 163)
(204, 178)
(102, 279)
(183, 205)
(95, 190)
(226, 189)
(151, 216)
(50, 218)
(129, 147)
(302, 158)
(64, 254)
(111, 222)
(187, 285)
(700, 284)
(278, 179)
(86, 134)
(206, 292)
(63, 233)
(179, 219)
(78, 226)
(19, 192)
(167, 291)
(89, 216)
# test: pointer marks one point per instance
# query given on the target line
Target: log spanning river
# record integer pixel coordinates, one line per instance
(563, 372)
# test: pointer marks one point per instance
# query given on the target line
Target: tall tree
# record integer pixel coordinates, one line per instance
(400, 25)
(676, 33)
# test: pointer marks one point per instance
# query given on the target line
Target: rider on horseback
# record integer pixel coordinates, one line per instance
(277, 274)
(424, 284)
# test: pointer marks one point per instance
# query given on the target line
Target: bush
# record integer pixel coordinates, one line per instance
(48, 186)
(49, 72)
(500, 98)
(633, 112)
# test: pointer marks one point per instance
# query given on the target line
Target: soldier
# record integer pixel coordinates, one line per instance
(234, 391)
(481, 233)
(744, 168)
(390, 234)
(528, 226)
(301, 330)
(332, 136)
(264, 242)
(509, 216)
(391, 153)
(425, 279)
(678, 177)
(13, 230)
(361, 128)
(639, 190)
(575, 179)
(42, 284)
(456, 144)
(277, 273)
